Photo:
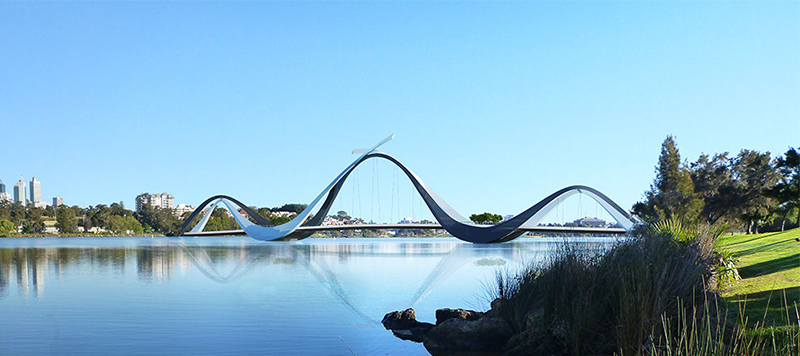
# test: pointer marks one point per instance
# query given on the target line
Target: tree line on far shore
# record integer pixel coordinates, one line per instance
(116, 219)
(750, 191)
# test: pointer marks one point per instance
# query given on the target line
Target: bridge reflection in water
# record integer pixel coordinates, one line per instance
(451, 256)
(237, 295)
(310, 219)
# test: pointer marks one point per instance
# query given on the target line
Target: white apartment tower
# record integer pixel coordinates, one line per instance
(19, 191)
(163, 200)
(36, 191)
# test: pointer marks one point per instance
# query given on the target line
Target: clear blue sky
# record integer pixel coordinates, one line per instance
(495, 105)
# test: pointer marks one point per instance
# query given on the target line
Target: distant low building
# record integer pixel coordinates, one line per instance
(590, 222)
(182, 209)
(58, 201)
(5, 196)
(50, 227)
(283, 213)
(40, 204)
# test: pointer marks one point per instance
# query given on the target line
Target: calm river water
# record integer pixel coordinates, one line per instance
(235, 295)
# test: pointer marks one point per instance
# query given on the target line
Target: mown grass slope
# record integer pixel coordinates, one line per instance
(769, 265)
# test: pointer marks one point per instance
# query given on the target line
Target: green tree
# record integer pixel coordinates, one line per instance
(714, 185)
(5, 210)
(65, 220)
(161, 220)
(264, 212)
(33, 220)
(6, 228)
(17, 214)
(115, 223)
(50, 211)
(293, 208)
(100, 215)
(123, 224)
(755, 176)
(279, 220)
(486, 218)
(787, 190)
(342, 215)
(671, 196)
(133, 225)
(119, 209)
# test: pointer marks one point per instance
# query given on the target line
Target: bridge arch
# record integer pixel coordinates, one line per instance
(448, 218)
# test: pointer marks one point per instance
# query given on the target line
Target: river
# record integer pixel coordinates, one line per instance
(235, 295)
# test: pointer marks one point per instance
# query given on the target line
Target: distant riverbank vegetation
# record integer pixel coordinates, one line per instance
(17, 220)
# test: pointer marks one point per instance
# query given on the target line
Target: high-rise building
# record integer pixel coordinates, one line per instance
(19, 191)
(163, 200)
(3, 195)
(36, 191)
(58, 201)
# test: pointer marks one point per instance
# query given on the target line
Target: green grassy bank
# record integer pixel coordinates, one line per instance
(769, 265)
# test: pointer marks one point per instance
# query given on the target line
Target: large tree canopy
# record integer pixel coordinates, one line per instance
(672, 193)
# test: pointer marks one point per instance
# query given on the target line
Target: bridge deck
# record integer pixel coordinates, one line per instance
(561, 229)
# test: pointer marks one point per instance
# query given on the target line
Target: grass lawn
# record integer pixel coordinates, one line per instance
(769, 265)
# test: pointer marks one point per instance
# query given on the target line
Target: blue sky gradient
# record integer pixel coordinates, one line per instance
(495, 105)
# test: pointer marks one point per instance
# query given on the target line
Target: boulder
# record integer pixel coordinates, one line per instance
(400, 319)
(446, 314)
(404, 325)
(460, 336)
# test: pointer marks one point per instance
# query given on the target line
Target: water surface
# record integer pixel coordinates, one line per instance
(235, 295)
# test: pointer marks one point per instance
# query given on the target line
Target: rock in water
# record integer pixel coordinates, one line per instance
(445, 314)
(399, 319)
(404, 325)
(458, 335)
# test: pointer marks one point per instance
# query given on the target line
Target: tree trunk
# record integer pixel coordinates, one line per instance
(783, 223)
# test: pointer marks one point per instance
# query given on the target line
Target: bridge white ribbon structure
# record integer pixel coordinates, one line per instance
(304, 224)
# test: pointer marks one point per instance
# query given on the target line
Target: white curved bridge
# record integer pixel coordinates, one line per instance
(304, 224)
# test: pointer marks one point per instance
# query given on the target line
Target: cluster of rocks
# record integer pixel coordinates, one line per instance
(456, 332)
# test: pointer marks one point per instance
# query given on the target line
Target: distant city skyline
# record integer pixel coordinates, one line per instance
(495, 104)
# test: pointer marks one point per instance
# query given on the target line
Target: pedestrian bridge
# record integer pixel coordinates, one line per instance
(307, 222)
(559, 229)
